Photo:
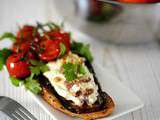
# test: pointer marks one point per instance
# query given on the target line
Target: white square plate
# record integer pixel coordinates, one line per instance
(125, 100)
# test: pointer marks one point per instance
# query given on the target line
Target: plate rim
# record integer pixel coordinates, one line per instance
(140, 105)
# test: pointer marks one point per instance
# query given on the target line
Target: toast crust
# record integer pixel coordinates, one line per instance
(54, 102)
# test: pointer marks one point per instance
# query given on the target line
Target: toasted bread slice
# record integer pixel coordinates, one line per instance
(55, 103)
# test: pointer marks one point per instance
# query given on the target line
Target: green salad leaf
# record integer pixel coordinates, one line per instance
(8, 35)
(62, 49)
(82, 49)
(16, 82)
(33, 85)
(4, 54)
(38, 67)
(36, 70)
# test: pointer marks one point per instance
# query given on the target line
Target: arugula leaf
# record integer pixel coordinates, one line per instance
(62, 49)
(33, 85)
(16, 82)
(4, 54)
(8, 35)
(82, 49)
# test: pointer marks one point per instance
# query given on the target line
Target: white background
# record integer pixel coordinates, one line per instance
(138, 67)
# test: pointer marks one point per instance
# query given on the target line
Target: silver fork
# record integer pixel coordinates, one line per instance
(14, 110)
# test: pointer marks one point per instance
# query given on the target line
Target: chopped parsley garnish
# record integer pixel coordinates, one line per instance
(72, 70)
(38, 67)
(62, 49)
(82, 49)
(8, 35)
(33, 85)
(82, 69)
(4, 54)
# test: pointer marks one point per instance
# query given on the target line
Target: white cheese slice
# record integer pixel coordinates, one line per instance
(57, 80)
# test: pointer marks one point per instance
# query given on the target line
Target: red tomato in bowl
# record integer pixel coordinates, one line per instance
(17, 67)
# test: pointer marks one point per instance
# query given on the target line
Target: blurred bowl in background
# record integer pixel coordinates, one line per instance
(114, 22)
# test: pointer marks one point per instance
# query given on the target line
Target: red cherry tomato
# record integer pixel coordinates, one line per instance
(58, 35)
(30, 55)
(66, 40)
(54, 34)
(28, 33)
(17, 67)
(21, 47)
(50, 50)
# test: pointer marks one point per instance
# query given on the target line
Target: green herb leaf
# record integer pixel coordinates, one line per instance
(8, 35)
(82, 49)
(33, 86)
(70, 75)
(38, 67)
(35, 70)
(62, 25)
(82, 69)
(62, 49)
(70, 71)
(44, 68)
(34, 62)
(4, 54)
(16, 82)
(52, 25)
(31, 76)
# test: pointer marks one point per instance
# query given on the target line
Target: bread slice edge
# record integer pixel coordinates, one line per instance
(55, 103)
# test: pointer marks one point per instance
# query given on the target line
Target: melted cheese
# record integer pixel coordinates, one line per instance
(58, 81)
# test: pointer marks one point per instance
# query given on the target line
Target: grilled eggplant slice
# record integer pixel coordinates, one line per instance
(101, 108)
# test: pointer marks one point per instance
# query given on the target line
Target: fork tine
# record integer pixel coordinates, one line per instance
(28, 114)
(18, 111)
(13, 117)
(15, 110)
(16, 115)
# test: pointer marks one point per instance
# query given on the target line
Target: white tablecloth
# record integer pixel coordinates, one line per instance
(137, 66)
